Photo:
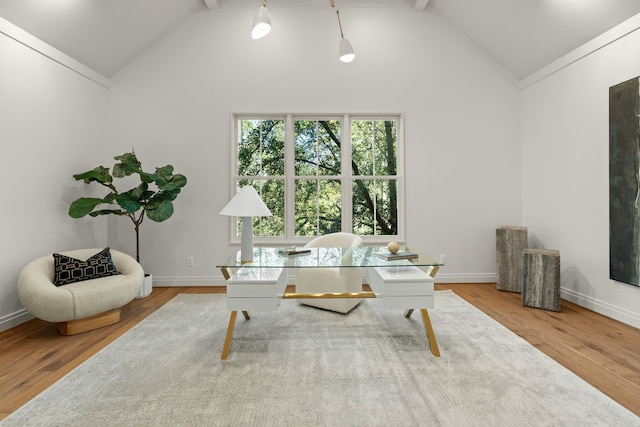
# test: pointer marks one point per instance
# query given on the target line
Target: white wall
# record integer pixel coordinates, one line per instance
(461, 125)
(565, 170)
(52, 124)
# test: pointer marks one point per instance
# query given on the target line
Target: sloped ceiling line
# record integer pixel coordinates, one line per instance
(630, 26)
(19, 35)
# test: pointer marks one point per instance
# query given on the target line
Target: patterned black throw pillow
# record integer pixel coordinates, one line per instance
(69, 270)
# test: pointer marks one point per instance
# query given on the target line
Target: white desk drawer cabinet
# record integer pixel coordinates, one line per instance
(256, 289)
(401, 287)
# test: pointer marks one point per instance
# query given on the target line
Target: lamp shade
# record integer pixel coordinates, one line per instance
(346, 51)
(245, 203)
(261, 23)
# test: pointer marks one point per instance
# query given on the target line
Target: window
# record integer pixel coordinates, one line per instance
(321, 174)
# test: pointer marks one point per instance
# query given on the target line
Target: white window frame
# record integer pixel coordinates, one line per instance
(345, 176)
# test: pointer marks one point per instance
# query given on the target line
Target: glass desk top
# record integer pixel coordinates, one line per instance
(362, 256)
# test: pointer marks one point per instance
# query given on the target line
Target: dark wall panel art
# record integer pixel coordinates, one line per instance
(624, 185)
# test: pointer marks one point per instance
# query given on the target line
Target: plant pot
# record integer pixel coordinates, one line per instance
(147, 286)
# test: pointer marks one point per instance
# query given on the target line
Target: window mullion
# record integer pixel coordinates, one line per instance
(400, 176)
(236, 137)
(375, 205)
(317, 153)
(345, 177)
(289, 165)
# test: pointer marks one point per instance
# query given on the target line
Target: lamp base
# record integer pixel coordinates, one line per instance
(246, 240)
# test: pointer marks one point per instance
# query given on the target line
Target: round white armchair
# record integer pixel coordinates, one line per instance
(331, 280)
(84, 305)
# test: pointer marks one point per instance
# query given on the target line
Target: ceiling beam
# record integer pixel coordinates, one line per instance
(212, 4)
(420, 5)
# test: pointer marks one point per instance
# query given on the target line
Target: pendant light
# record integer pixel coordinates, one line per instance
(261, 22)
(345, 50)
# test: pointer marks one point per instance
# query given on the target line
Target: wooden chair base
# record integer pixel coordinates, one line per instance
(73, 327)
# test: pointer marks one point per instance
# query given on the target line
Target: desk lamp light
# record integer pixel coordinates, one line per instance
(246, 204)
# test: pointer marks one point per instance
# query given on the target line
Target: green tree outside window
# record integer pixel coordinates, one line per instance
(317, 176)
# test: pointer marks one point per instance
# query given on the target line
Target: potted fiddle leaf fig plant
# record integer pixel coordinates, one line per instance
(152, 197)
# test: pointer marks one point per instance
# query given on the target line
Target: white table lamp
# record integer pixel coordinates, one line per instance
(246, 204)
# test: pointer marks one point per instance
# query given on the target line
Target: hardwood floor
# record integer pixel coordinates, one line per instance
(603, 352)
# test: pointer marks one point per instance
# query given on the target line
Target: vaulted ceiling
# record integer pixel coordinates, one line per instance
(520, 35)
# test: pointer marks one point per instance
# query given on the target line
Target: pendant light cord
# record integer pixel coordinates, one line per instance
(339, 23)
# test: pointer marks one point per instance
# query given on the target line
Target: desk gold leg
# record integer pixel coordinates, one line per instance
(408, 312)
(227, 341)
(246, 315)
(430, 335)
(434, 270)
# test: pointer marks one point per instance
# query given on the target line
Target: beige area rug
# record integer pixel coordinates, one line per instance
(301, 366)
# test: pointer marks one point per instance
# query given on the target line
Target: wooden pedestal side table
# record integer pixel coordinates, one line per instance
(541, 279)
(510, 241)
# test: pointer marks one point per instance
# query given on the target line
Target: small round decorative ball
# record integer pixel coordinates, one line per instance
(393, 247)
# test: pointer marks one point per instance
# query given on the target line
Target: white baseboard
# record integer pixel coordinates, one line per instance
(170, 281)
(14, 319)
(604, 308)
(465, 278)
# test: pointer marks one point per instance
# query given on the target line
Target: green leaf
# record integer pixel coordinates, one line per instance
(99, 174)
(109, 198)
(108, 212)
(161, 211)
(128, 165)
(83, 206)
(147, 195)
(129, 202)
(164, 176)
(156, 200)
(141, 192)
(165, 172)
(148, 177)
(174, 183)
(171, 195)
